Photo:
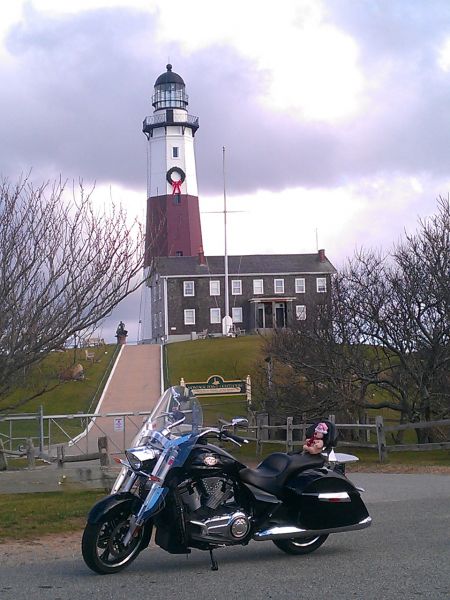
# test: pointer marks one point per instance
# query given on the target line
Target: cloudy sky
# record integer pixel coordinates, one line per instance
(335, 114)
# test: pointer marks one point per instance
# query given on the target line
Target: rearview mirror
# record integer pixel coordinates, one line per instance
(239, 422)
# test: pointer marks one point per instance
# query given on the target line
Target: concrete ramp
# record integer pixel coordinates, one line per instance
(133, 386)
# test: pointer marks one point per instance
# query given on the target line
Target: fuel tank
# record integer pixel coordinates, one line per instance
(207, 459)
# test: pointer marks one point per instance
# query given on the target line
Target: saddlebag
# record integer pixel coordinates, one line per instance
(324, 499)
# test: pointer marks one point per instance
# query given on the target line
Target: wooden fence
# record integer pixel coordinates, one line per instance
(363, 430)
(31, 452)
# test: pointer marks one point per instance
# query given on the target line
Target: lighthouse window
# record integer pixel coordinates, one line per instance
(175, 152)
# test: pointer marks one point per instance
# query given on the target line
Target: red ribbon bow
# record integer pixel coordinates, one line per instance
(176, 187)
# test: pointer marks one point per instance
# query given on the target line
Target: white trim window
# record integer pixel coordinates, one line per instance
(300, 287)
(189, 316)
(175, 152)
(236, 287)
(214, 287)
(258, 286)
(278, 286)
(160, 319)
(188, 288)
(321, 283)
(214, 316)
(236, 314)
(300, 312)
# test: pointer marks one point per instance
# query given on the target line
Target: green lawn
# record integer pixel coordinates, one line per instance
(68, 397)
(28, 516)
(232, 358)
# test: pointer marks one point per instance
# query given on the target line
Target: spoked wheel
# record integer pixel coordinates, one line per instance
(300, 545)
(102, 545)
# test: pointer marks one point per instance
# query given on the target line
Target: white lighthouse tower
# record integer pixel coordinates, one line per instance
(173, 216)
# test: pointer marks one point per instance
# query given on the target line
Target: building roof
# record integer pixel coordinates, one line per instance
(253, 264)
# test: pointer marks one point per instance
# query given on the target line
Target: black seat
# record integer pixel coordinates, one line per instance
(273, 472)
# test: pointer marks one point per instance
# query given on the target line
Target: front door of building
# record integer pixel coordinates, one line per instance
(280, 314)
(264, 316)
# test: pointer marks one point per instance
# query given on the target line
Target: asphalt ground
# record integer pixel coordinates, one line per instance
(404, 555)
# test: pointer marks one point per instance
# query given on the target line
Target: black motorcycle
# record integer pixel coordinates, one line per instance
(194, 494)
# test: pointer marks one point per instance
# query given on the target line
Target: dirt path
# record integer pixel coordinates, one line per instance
(61, 546)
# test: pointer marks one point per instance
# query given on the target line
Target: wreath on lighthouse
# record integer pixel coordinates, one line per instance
(176, 183)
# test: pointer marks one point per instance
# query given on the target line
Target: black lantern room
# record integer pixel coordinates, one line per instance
(169, 91)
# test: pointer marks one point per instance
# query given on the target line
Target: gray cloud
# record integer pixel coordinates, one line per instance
(81, 86)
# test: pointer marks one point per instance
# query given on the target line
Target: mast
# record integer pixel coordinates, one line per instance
(227, 298)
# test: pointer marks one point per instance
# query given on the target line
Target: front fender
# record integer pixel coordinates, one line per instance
(123, 500)
(103, 506)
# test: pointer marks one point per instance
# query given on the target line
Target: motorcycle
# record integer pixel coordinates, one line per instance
(194, 494)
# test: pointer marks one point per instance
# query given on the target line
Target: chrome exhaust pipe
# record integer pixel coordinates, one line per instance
(288, 531)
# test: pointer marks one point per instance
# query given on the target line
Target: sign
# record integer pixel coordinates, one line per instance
(216, 385)
(119, 423)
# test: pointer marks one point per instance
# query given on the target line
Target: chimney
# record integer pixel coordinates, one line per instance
(201, 257)
(322, 257)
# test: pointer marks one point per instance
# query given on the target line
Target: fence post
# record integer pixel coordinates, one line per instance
(367, 432)
(3, 461)
(41, 429)
(60, 455)
(289, 440)
(261, 433)
(31, 457)
(381, 438)
(103, 450)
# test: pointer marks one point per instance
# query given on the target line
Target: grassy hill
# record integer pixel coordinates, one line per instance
(231, 358)
(68, 397)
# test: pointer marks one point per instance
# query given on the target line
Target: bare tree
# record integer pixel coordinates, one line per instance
(384, 341)
(64, 265)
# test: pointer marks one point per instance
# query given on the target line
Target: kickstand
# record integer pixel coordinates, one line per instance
(214, 565)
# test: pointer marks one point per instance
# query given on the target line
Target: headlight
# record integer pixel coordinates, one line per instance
(142, 457)
(134, 461)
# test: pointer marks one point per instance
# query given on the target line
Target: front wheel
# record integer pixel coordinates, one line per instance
(102, 546)
(299, 545)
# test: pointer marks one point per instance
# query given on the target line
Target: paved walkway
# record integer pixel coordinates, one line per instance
(134, 386)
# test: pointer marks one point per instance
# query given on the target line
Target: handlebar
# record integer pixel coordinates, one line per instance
(235, 438)
(221, 434)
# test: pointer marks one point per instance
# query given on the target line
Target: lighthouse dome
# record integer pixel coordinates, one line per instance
(169, 77)
(169, 91)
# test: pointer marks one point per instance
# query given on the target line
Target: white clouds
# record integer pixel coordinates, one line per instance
(310, 68)
(444, 56)
(371, 212)
(343, 118)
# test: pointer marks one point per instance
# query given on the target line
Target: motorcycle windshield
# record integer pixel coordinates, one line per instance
(175, 403)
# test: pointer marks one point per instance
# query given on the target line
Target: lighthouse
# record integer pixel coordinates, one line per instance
(173, 218)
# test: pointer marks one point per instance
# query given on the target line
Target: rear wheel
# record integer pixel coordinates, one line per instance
(300, 545)
(102, 545)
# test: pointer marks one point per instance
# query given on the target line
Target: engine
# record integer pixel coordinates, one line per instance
(212, 514)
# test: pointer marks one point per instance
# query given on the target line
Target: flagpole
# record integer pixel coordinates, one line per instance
(227, 300)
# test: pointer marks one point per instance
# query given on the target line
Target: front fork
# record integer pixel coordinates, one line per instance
(155, 494)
